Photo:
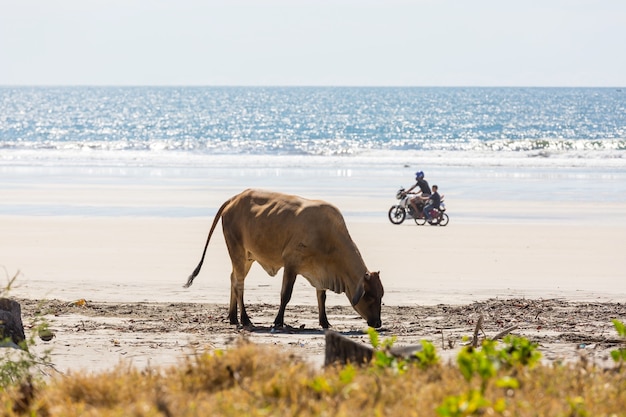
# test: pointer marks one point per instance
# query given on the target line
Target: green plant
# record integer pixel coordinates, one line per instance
(324, 385)
(482, 362)
(619, 355)
(427, 357)
(468, 404)
(384, 358)
(519, 351)
(577, 407)
(20, 365)
(486, 363)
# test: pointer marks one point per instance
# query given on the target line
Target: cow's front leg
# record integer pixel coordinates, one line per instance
(289, 279)
(321, 306)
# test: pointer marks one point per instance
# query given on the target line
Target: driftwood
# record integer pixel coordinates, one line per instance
(11, 327)
(341, 349)
(479, 327)
(504, 333)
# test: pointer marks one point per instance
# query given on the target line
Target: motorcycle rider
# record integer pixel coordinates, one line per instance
(417, 201)
(434, 200)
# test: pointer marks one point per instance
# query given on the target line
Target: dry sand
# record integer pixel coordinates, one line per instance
(560, 282)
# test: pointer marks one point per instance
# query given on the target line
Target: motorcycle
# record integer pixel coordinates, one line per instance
(399, 212)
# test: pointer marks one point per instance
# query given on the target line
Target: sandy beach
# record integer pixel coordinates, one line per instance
(148, 259)
(108, 192)
(560, 282)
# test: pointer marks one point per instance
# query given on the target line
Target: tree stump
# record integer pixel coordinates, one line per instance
(343, 350)
(340, 349)
(11, 327)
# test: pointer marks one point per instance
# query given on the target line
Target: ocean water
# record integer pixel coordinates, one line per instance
(561, 144)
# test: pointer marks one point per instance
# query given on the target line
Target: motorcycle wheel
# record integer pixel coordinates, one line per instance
(443, 219)
(397, 214)
(420, 222)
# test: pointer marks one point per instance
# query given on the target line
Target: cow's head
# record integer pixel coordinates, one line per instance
(367, 299)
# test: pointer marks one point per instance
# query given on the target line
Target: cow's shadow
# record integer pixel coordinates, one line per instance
(296, 330)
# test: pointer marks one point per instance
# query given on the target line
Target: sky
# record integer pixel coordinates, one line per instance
(313, 42)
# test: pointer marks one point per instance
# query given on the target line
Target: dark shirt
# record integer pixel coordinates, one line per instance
(424, 187)
(435, 200)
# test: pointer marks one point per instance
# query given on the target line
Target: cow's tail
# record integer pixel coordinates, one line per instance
(208, 239)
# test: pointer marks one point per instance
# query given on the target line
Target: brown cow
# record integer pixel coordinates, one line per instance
(306, 237)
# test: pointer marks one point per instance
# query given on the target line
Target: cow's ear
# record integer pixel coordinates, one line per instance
(358, 293)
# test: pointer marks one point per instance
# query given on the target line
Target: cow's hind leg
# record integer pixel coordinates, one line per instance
(321, 305)
(289, 279)
(237, 278)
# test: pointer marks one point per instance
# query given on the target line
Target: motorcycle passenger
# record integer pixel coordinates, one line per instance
(417, 202)
(433, 202)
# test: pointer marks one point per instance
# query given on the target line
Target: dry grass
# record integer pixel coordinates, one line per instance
(253, 380)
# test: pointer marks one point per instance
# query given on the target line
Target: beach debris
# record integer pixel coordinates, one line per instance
(78, 303)
(11, 327)
(341, 349)
(479, 327)
(46, 335)
(504, 333)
